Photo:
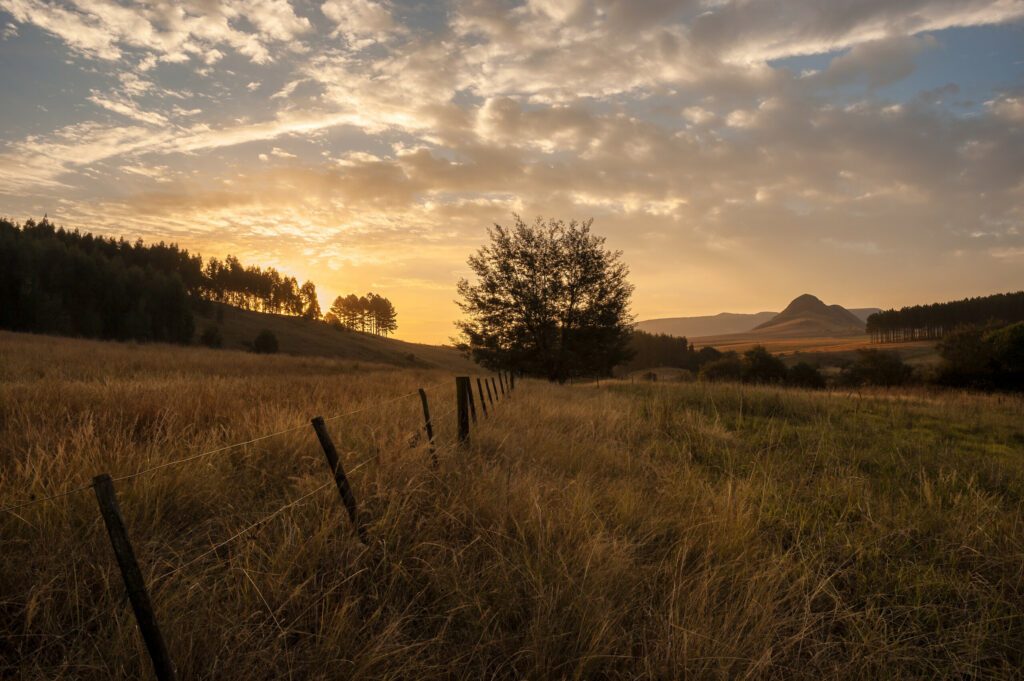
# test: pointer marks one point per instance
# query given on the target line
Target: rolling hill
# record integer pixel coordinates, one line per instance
(807, 316)
(709, 325)
(298, 336)
(723, 323)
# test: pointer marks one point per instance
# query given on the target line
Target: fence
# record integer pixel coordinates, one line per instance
(496, 388)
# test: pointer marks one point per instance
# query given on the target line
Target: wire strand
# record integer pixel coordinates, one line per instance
(193, 457)
(244, 530)
(51, 497)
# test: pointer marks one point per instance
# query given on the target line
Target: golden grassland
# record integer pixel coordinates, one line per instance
(629, 531)
(916, 351)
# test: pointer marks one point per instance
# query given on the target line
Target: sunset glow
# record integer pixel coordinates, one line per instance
(738, 152)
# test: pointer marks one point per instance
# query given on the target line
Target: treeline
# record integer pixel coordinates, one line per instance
(371, 313)
(931, 322)
(255, 288)
(649, 350)
(54, 280)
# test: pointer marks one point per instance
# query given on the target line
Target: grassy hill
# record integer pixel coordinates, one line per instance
(667, 530)
(298, 336)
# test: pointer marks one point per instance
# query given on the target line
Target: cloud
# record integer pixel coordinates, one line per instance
(171, 32)
(362, 22)
(387, 136)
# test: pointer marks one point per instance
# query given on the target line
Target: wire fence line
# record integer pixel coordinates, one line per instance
(136, 587)
(129, 476)
(245, 530)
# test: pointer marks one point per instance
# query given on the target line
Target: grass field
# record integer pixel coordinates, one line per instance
(627, 531)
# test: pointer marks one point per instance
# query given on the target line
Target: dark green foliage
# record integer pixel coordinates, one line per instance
(265, 343)
(55, 281)
(649, 350)
(211, 337)
(984, 358)
(760, 366)
(922, 322)
(371, 313)
(803, 375)
(549, 300)
(728, 367)
(876, 367)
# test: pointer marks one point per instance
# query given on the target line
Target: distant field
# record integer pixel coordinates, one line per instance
(918, 350)
(625, 531)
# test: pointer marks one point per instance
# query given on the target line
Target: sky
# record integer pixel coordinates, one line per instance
(738, 152)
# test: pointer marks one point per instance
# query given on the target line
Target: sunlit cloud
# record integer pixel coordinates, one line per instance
(367, 143)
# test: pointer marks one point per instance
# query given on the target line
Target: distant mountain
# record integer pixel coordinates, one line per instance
(807, 316)
(710, 325)
(864, 312)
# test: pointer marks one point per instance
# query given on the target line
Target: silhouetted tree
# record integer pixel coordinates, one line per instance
(549, 300)
(760, 366)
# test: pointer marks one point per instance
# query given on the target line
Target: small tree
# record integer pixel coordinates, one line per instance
(761, 366)
(310, 304)
(549, 300)
(265, 343)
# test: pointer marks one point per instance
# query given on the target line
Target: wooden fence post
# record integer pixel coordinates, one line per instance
(512, 379)
(490, 399)
(344, 489)
(494, 386)
(429, 427)
(472, 402)
(106, 497)
(501, 383)
(462, 402)
(480, 390)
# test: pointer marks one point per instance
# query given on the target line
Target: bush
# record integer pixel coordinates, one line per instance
(1007, 346)
(876, 367)
(727, 368)
(211, 337)
(804, 375)
(265, 343)
(761, 366)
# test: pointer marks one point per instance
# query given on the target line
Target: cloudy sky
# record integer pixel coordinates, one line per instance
(739, 152)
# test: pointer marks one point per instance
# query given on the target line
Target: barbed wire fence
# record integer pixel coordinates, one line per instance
(498, 387)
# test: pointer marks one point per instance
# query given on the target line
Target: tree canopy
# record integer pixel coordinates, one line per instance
(371, 313)
(549, 300)
(54, 280)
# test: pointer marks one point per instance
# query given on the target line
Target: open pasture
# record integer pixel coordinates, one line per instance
(622, 531)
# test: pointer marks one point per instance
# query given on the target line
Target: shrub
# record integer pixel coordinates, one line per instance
(876, 367)
(804, 375)
(761, 366)
(726, 368)
(211, 337)
(265, 343)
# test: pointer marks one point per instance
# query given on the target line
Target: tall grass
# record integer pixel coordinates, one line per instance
(648, 531)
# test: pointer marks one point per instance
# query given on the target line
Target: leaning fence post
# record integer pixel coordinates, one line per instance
(501, 383)
(462, 402)
(480, 389)
(494, 387)
(512, 379)
(487, 382)
(472, 402)
(344, 489)
(429, 427)
(106, 497)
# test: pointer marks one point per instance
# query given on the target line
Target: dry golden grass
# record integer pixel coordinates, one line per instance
(626, 531)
